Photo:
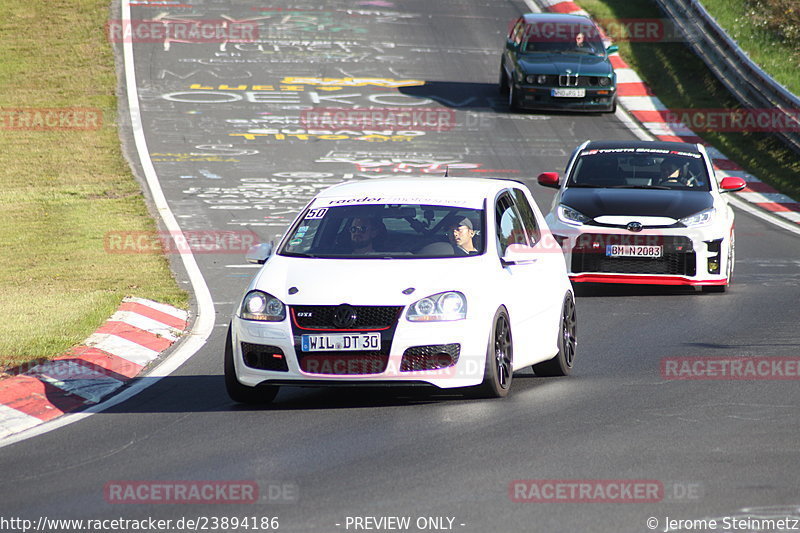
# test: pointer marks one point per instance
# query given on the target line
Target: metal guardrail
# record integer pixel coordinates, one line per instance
(753, 87)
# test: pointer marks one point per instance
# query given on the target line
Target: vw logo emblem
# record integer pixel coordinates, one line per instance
(345, 316)
(635, 226)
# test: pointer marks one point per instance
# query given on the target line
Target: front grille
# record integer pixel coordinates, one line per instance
(264, 357)
(589, 255)
(568, 80)
(344, 363)
(572, 80)
(323, 317)
(430, 357)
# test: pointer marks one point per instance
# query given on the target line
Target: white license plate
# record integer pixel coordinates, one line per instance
(569, 93)
(340, 342)
(632, 250)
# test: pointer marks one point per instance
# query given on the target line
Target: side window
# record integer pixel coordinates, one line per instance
(509, 224)
(516, 31)
(528, 217)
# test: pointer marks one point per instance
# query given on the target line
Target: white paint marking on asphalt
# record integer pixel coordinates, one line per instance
(13, 421)
(128, 350)
(146, 323)
(168, 309)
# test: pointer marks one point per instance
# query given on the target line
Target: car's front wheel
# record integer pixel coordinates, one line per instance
(499, 359)
(503, 80)
(561, 364)
(242, 393)
(513, 99)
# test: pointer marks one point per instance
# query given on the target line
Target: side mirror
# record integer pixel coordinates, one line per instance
(732, 184)
(612, 49)
(259, 253)
(519, 254)
(549, 179)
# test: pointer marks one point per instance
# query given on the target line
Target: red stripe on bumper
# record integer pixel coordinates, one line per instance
(642, 280)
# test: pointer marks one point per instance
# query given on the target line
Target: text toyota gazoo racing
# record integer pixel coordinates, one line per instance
(447, 282)
(646, 212)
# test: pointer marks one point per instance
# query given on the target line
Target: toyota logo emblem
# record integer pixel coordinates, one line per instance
(345, 316)
(635, 226)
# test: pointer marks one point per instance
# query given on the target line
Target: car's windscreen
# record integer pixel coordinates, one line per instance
(400, 231)
(638, 168)
(562, 38)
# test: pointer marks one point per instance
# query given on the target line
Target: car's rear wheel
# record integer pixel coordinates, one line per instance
(728, 268)
(262, 394)
(499, 359)
(561, 364)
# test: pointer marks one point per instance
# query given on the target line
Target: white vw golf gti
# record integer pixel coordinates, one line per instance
(449, 282)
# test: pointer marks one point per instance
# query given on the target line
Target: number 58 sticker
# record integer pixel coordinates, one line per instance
(316, 213)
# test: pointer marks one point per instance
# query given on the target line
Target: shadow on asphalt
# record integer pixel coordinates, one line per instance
(592, 290)
(188, 394)
(472, 96)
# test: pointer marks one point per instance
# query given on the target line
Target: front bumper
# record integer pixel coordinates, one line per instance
(539, 97)
(691, 256)
(407, 348)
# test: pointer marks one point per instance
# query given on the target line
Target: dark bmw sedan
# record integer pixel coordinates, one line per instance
(556, 61)
(644, 212)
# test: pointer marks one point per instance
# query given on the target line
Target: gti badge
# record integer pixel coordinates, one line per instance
(635, 226)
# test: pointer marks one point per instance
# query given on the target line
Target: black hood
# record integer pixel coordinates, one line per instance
(642, 202)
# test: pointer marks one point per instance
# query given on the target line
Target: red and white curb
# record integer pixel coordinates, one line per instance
(118, 351)
(640, 101)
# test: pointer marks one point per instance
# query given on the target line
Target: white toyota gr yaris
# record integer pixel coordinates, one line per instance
(449, 282)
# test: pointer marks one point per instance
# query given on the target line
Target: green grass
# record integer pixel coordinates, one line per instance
(62, 192)
(768, 30)
(682, 81)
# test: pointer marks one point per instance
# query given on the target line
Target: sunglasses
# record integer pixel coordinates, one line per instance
(359, 229)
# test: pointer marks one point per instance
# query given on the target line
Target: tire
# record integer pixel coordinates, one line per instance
(498, 371)
(263, 394)
(728, 269)
(561, 364)
(503, 82)
(513, 101)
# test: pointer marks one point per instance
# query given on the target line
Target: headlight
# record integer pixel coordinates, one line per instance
(699, 219)
(605, 82)
(263, 307)
(450, 305)
(571, 216)
(541, 79)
